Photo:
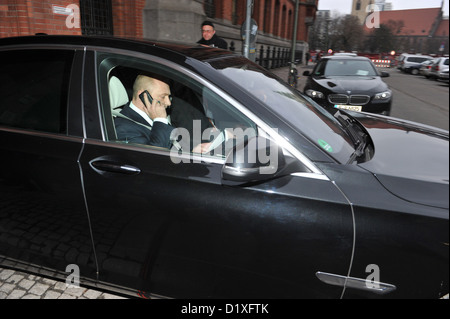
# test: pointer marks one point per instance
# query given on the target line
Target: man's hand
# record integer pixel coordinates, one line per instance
(154, 109)
(201, 148)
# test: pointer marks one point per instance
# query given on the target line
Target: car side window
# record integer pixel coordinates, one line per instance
(320, 68)
(34, 89)
(205, 122)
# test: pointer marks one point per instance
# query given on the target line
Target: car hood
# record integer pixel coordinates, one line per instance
(410, 160)
(360, 84)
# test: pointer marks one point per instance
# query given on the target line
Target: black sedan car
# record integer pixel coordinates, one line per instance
(288, 201)
(350, 83)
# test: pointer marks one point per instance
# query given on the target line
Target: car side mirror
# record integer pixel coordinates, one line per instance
(257, 159)
(306, 73)
(384, 74)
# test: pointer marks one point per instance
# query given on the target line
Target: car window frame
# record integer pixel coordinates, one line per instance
(68, 84)
(263, 128)
(74, 115)
(104, 108)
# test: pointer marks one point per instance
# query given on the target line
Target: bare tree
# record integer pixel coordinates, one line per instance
(385, 37)
(346, 33)
(380, 40)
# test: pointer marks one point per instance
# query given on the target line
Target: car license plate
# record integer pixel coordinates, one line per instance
(356, 108)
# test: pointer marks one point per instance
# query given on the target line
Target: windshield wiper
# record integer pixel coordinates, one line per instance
(359, 151)
(358, 137)
(348, 125)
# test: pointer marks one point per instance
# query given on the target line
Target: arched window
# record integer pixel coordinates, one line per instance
(358, 5)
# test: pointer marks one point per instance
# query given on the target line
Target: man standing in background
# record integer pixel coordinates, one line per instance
(210, 38)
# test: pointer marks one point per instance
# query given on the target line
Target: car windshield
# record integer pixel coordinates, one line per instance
(344, 67)
(300, 112)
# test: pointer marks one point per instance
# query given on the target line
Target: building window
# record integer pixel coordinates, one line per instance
(267, 14)
(234, 12)
(42, 105)
(96, 17)
(210, 8)
(358, 5)
(276, 27)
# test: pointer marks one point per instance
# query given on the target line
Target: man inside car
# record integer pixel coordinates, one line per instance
(146, 121)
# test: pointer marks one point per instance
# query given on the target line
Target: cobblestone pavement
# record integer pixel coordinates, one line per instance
(20, 285)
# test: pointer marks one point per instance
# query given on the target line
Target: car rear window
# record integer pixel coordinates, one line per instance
(34, 88)
(347, 67)
(417, 59)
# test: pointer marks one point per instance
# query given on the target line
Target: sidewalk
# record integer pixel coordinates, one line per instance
(283, 73)
(20, 285)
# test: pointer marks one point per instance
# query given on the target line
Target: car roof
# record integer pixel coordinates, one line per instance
(194, 51)
(416, 55)
(345, 57)
(345, 54)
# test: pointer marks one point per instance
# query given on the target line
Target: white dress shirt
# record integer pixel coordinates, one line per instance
(147, 118)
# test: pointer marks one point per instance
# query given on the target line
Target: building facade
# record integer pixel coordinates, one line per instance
(415, 30)
(71, 17)
(362, 8)
(167, 21)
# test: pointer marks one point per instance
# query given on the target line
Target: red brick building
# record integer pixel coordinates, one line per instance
(417, 30)
(175, 21)
(25, 17)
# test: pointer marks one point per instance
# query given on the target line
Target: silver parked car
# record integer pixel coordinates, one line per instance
(425, 68)
(409, 62)
(439, 65)
(443, 75)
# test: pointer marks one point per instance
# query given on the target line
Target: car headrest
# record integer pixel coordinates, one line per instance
(118, 95)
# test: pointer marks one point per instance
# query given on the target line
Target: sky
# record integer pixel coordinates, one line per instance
(345, 6)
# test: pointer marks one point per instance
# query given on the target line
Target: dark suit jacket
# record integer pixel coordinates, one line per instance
(132, 132)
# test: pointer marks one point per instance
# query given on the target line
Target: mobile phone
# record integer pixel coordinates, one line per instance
(141, 96)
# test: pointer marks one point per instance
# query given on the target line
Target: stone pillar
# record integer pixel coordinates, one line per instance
(173, 21)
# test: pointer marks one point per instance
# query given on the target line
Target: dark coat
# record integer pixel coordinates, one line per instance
(215, 42)
(158, 135)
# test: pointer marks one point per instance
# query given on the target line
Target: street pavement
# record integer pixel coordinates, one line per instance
(283, 73)
(20, 285)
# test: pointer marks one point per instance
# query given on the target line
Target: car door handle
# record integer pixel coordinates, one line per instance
(356, 283)
(113, 167)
